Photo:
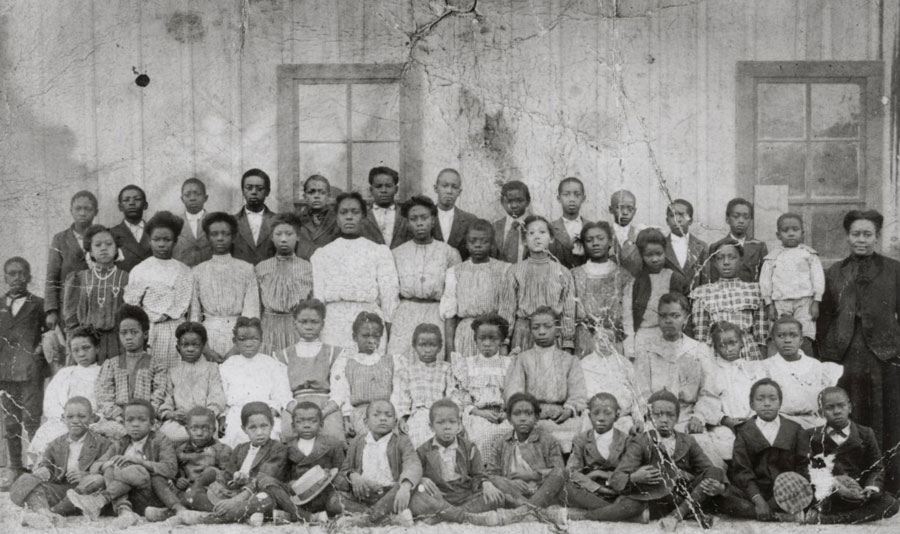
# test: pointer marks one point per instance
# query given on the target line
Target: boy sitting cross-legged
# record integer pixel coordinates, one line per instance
(65, 465)
(855, 494)
(136, 469)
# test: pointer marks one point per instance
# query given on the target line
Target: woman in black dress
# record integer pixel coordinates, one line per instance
(859, 327)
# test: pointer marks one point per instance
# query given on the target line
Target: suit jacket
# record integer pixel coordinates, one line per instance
(540, 451)
(133, 251)
(457, 239)
(20, 337)
(190, 250)
(627, 254)
(756, 463)
(192, 461)
(327, 452)
(66, 256)
(404, 462)
(158, 450)
(271, 461)
(755, 252)
(56, 455)
(561, 235)
(313, 237)
(696, 269)
(468, 463)
(245, 248)
(878, 298)
(401, 233)
(586, 457)
(858, 457)
(687, 458)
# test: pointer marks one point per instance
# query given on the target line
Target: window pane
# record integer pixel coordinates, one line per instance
(329, 160)
(782, 164)
(322, 112)
(368, 155)
(826, 231)
(376, 112)
(835, 110)
(782, 110)
(834, 170)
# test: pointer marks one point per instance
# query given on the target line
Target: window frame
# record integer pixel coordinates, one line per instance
(290, 76)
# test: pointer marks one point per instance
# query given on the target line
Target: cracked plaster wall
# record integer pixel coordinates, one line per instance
(620, 93)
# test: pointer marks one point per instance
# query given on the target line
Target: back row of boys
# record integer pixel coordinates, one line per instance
(685, 253)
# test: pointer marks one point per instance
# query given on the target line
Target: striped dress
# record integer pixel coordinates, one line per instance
(283, 282)
(421, 270)
(478, 384)
(92, 300)
(471, 290)
(533, 283)
(358, 379)
(163, 288)
(224, 289)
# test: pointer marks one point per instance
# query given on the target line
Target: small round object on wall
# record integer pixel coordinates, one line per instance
(142, 80)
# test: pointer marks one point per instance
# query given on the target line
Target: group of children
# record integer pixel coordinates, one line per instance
(569, 364)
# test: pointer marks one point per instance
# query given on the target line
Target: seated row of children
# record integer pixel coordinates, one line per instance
(829, 474)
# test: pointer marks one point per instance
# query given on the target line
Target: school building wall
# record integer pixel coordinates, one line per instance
(621, 93)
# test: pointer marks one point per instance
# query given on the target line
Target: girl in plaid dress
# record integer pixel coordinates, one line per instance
(162, 286)
(733, 300)
(129, 376)
(419, 382)
(478, 385)
(362, 376)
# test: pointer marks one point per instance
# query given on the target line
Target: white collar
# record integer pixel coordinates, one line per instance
(680, 239)
(452, 447)
(392, 207)
(140, 443)
(80, 440)
(195, 217)
(605, 437)
(254, 213)
(138, 225)
(381, 441)
(773, 424)
(510, 220)
(740, 240)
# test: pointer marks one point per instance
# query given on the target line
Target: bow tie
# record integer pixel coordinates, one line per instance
(837, 432)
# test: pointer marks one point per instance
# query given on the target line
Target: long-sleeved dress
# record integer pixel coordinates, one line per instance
(726, 393)
(224, 289)
(737, 302)
(421, 271)
(283, 282)
(92, 299)
(417, 386)
(479, 386)
(257, 379)
(530, 284)
(470, 290)
(599, 289)
(163, 288)
(801, 381)
(556, 379)
(350, 276)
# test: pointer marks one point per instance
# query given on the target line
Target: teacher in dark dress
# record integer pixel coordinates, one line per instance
(858, 327)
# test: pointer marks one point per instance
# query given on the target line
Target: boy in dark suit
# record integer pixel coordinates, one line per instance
(567, 229)
(133, 241)
(22, 365)
(136, 469)
(253, 242)
(65, 465)
(66, 254)
(623, 206)
(739, 217)
(685, 253)
(318, 223)
(765, 446)
(663, 472)
(856, 494)
(596, 454)
(309, 448)
(509, 232)
(452, 223)
(192, 247)
(383, 223)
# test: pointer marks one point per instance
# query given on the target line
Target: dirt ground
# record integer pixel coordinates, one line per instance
(11, 516)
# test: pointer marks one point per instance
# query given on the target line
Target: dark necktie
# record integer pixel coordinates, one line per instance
(511, 246)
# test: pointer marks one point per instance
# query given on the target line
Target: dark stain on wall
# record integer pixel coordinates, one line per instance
(185, 27)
